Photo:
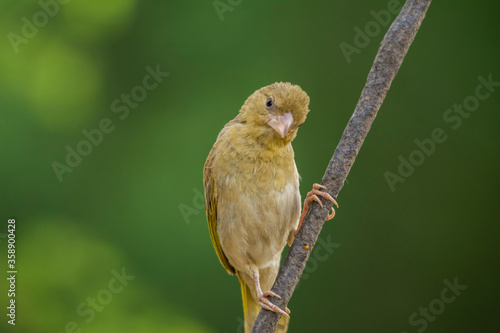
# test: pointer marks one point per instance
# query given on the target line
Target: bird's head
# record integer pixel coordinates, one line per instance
(275, 112)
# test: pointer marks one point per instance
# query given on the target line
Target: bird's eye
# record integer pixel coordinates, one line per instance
(269, 102)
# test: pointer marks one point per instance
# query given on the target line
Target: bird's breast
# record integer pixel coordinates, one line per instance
(259, 206)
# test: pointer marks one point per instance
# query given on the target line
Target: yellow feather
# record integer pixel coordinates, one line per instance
(211, 211)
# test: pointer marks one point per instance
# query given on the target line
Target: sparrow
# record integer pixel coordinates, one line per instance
(252, 197)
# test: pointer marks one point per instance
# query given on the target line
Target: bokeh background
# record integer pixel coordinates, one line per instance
(134, 202)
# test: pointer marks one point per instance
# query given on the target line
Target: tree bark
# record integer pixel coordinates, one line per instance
(387, 63)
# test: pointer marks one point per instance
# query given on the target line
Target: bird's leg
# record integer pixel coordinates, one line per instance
(263, 301)
(313, 196)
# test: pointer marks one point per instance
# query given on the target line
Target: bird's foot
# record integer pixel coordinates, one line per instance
(266, 304)
(313, 196)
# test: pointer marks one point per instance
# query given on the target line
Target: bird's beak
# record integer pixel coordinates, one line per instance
(281, 123)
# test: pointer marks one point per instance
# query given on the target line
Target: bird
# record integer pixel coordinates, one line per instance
(252, 198)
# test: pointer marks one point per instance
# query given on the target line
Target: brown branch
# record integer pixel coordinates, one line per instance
(387, 62)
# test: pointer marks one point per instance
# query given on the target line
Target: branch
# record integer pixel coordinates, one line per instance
(387, 62)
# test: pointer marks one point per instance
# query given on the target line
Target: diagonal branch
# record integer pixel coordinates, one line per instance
(387, 62)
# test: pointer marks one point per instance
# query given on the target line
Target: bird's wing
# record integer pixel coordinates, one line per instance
(211, 210)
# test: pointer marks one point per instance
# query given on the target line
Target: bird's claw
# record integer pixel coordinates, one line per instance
(266, 304)
(270, 293)
(313, 196)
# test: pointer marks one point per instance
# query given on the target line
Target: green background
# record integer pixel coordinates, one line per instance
(134, 201)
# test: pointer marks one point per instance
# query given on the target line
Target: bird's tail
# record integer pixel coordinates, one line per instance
(251, 310)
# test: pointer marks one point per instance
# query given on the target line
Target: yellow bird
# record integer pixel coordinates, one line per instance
(252, 193)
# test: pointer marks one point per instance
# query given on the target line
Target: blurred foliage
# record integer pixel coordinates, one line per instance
(123, 204)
